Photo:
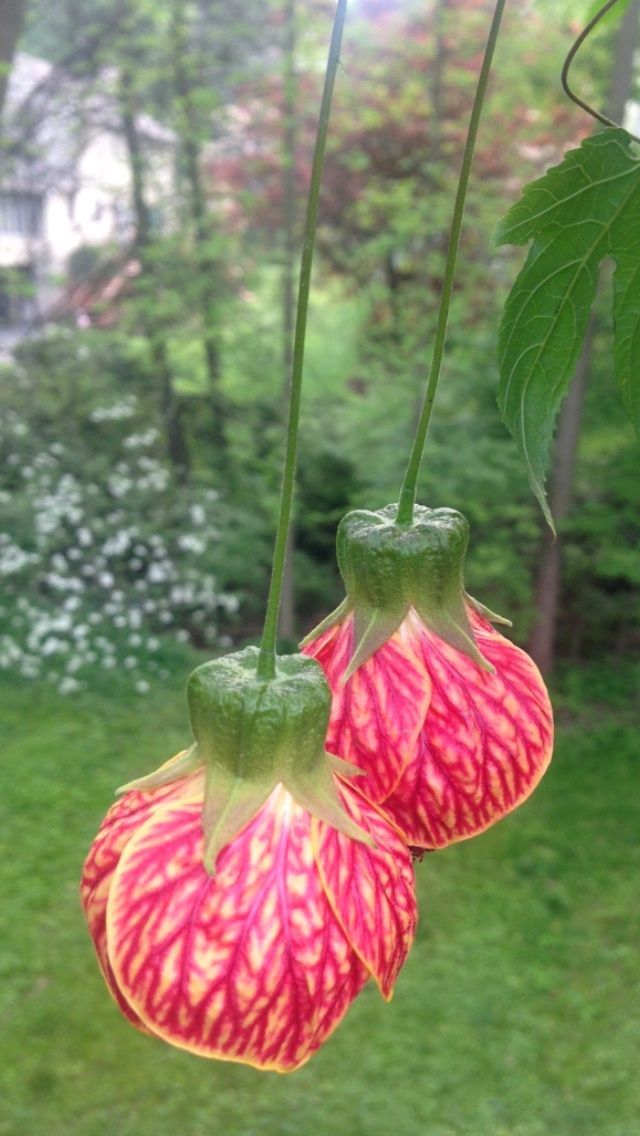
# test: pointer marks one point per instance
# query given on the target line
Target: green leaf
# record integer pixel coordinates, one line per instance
(581, 211)
(616, 12)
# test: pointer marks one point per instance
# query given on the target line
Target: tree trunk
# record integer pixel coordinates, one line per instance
(548, 580)
(623, 71)
(176, 444)
(208, 267)
(287, 607)
(12, 14)
(549, 576)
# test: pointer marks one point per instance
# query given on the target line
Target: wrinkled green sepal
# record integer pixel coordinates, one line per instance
(319, 795)
(344, 768)
(372, 628)
(229, 804)
(331, 620)
(171, 771)
(254, 734)
(390, 568)
(232, 802)
(455, 630)
(492, 616)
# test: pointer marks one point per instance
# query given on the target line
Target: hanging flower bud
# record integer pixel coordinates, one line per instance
(240, 897)
(450, 721)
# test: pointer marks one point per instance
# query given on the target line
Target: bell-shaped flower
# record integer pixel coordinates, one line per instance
(240, 897)
(449, 721)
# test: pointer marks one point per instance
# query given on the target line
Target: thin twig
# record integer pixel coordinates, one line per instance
(564, 78)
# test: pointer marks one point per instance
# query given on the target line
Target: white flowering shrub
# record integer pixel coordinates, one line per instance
(102, 555)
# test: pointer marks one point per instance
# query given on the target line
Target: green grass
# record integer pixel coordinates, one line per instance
(516, 1015)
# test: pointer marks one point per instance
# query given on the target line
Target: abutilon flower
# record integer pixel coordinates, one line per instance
(240, 897)
(450, 722)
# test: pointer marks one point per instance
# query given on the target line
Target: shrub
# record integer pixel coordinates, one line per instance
(102, 554)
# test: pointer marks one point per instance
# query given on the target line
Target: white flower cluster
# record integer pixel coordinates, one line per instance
(96, 574)
(115, 411)
(145, 438)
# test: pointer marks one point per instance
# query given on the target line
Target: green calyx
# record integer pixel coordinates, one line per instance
(253, 734)
(389, 568)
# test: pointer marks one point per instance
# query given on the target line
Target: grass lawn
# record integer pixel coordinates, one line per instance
(517, 1014)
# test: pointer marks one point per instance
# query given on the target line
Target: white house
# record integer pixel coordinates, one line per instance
(65, 184)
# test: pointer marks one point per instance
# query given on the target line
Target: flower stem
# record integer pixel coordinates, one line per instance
(407, 497)
(266, 668)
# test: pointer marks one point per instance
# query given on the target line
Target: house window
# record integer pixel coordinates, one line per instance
(18, 306)
(21, 214)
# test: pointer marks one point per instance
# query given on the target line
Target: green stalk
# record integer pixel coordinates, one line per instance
(407, 497)
(266, 668)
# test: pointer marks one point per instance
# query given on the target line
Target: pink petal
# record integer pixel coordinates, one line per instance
(377, 715)
(371, 889)
(250, 965)
(120, 824)
(485, 744)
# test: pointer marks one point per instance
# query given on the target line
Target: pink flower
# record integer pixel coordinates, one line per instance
(259, 961)
(447, 747)
(449, 721)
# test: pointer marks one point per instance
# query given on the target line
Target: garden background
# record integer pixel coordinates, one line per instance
(142, 394)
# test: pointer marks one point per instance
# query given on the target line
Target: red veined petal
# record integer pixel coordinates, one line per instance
(371, 889)
(121, 822)
(485, 744)
(377, 714)
(250, 965)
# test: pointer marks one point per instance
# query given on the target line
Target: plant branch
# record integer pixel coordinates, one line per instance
(564, 78)
(408, 491)
(267, 659)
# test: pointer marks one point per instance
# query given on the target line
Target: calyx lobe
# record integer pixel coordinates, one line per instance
(252, 735)
(389, 569)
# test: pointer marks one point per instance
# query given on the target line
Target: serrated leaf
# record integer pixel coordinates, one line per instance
(581, 211)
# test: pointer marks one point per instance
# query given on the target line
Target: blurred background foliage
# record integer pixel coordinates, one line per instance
(142, 422)
(186, 364)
